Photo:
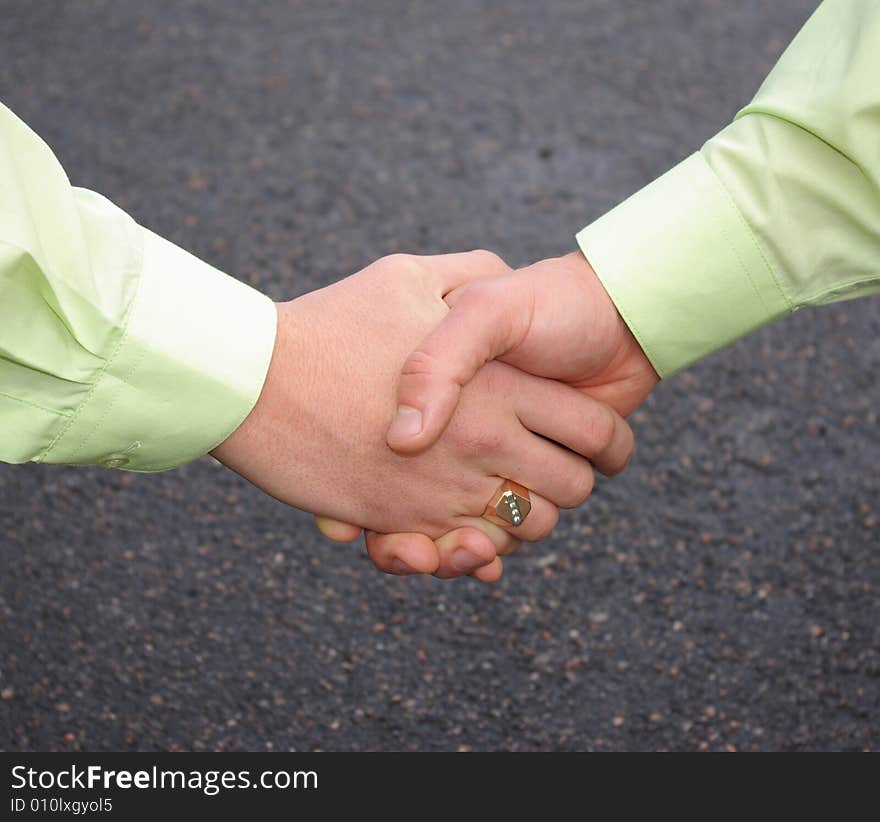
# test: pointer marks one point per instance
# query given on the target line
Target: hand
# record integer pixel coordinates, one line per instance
(315, 438)
(475, 550)
(552, 319)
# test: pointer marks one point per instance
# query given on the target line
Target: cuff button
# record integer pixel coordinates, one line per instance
(114, 461)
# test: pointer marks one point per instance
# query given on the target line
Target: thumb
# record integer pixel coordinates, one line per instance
(488, 319)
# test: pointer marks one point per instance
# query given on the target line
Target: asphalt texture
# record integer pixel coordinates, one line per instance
(722, 594)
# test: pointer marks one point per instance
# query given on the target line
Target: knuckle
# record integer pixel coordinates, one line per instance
(399, 259)
(627, 454)
(601, 428)
(400, 264)
(510, 547)
(374, 551)
(487, 443)
(418, 364)
(547, 524)
(479, 443)
(488, 258)
(581, 487)
(470, 493)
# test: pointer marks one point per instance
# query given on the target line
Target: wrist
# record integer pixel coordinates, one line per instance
(255, 426)
(627, 368)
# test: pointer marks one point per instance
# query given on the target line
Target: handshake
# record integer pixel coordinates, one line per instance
(399, 400)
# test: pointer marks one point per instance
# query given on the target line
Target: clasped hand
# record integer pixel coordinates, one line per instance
(499, 374)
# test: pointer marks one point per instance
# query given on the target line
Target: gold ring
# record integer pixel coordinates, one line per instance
(510, 505)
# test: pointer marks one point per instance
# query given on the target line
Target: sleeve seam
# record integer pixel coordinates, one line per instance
(745, 224)
(151, 468)
(138, 267)
(110, 404)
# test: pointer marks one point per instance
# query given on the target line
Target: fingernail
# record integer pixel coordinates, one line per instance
(407, 423)
(465, 561)
(398, 566)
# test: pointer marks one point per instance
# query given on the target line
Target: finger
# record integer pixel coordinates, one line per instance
(491, 572)
(402, 554)
(487, 320)
(577, 421)
(506, 448)
(473, 549)
(561, 476)
(538, 523)
(336, 530)
(455, 270)
(506, 544)
(463, 551)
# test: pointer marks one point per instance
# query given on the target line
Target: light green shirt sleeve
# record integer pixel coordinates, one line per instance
(778, 211)
(117, 347)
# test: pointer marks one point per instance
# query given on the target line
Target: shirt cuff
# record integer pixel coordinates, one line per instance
(189, 367)
(683, 267)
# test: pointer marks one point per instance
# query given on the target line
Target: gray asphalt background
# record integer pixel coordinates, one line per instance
(721, 594)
